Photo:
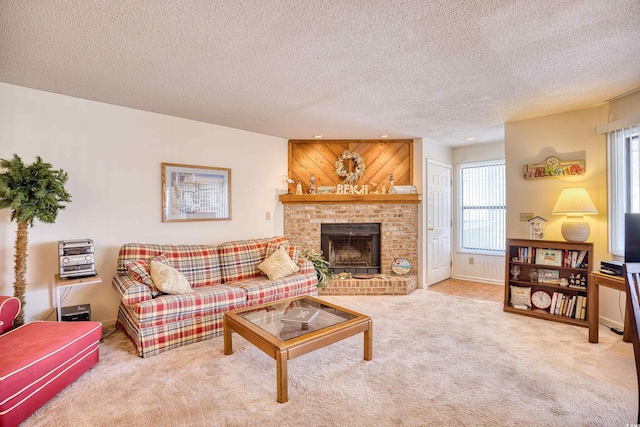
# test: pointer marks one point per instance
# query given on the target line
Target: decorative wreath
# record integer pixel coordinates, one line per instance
(350, 177)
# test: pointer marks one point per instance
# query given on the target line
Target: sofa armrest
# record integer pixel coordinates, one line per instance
(131, 291)
(9, 308)
(306, 266)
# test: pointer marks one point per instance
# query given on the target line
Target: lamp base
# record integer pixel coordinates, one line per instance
(575, 230)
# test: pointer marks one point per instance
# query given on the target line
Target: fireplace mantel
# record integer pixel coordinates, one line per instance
(349, 198)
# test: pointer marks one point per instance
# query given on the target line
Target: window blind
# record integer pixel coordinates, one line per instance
(623, 164)
(482, 206)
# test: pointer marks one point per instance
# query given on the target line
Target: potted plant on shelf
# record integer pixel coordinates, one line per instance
(34, 191)
(321, 265)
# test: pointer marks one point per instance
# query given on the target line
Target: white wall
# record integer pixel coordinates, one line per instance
(478, 267)
(113, 155)
(569, 136)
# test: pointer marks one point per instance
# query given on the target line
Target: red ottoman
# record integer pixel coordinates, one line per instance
(38, 360)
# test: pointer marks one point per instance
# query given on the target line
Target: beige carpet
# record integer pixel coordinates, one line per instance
(438, 360)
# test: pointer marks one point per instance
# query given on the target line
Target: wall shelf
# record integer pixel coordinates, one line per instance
(349, 198)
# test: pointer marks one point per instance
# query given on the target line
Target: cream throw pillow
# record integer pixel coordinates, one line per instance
(278, 265)
(168, 279)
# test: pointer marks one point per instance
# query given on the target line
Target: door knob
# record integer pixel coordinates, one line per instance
(430, 228)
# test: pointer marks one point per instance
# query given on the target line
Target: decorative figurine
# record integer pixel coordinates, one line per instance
(392, 187)
(384, 188)
(312, 184)
(299, 187)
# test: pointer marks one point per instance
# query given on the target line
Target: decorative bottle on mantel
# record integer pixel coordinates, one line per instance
(299, 187)
(312, 184)
(392, 187)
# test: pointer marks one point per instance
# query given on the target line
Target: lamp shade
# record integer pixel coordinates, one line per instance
(574, 201)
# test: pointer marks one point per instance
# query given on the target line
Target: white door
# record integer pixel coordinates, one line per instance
(438, 222)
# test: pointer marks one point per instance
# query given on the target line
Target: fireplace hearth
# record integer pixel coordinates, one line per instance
(351, 247)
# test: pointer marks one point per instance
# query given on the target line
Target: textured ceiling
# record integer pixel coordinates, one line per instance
(443, 70)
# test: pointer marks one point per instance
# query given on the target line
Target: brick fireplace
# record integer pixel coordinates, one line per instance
(397, 216)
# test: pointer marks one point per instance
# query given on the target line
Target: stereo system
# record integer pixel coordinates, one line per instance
(75, 258)
(613, 268)
(76, 313)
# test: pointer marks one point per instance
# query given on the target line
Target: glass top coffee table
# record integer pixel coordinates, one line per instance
(261, 325)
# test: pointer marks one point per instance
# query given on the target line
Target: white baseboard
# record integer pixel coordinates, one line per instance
(611, 323)
(479, 279)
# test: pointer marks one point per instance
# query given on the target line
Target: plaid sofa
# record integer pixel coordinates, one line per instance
(223, 277)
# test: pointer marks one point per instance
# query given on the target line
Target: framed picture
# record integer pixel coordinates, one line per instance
(405, 189)
(195, 193)
(549, 257)
(549, 276)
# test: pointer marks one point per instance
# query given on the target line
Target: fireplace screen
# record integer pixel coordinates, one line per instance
(351, 248)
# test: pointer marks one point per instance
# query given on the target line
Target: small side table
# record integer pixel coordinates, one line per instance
(597, 279)
(67, 283)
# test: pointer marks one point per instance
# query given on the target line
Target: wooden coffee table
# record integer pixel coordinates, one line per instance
(262, 327)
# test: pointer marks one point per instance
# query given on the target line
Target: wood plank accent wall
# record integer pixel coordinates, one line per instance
(381, 157)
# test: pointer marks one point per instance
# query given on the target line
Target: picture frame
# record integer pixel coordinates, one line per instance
(405, 189)
(554, 167)
(326, 189)
(195, 193)
(549, 276)
(549, 257)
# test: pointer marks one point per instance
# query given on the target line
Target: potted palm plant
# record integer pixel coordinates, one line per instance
(323, 271)
(34, 191)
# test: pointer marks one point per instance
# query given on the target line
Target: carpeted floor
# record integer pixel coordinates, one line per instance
(438, 360)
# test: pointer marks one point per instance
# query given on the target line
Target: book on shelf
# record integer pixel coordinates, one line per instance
(578, 309)
(580, 259)
(300, 315)
(552, 307)
(560, 304)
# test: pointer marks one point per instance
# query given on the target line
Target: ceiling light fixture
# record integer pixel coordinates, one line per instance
(318, 136)
(471, 138)
(384, 136)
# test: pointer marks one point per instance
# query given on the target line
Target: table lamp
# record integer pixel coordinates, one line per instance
(574, 203)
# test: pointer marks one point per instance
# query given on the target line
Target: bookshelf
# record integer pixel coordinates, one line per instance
(553, 261)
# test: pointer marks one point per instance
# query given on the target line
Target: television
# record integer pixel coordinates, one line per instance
(632, 237)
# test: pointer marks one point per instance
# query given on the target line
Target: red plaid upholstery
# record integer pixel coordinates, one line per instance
(154, 340)
(260, 290)
(131, 291)
(200, 264)
(157, 324)
(306, 267)
(293, 251)
(240, 258)
(203, 301)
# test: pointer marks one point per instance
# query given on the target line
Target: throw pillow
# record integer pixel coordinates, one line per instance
(520, 296)
(168, 279)
(139, 269)
(278, 265)
(293, 251)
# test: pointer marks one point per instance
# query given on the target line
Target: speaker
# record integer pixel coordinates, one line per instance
(76, 313)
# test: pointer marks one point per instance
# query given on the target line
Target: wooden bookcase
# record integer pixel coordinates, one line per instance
(527, 255)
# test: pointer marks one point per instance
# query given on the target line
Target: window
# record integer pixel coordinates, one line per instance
(623, 157)
(482, 206)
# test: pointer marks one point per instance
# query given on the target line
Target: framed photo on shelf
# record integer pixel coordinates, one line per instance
(549, 257)
(548, 276)
(195, 193)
